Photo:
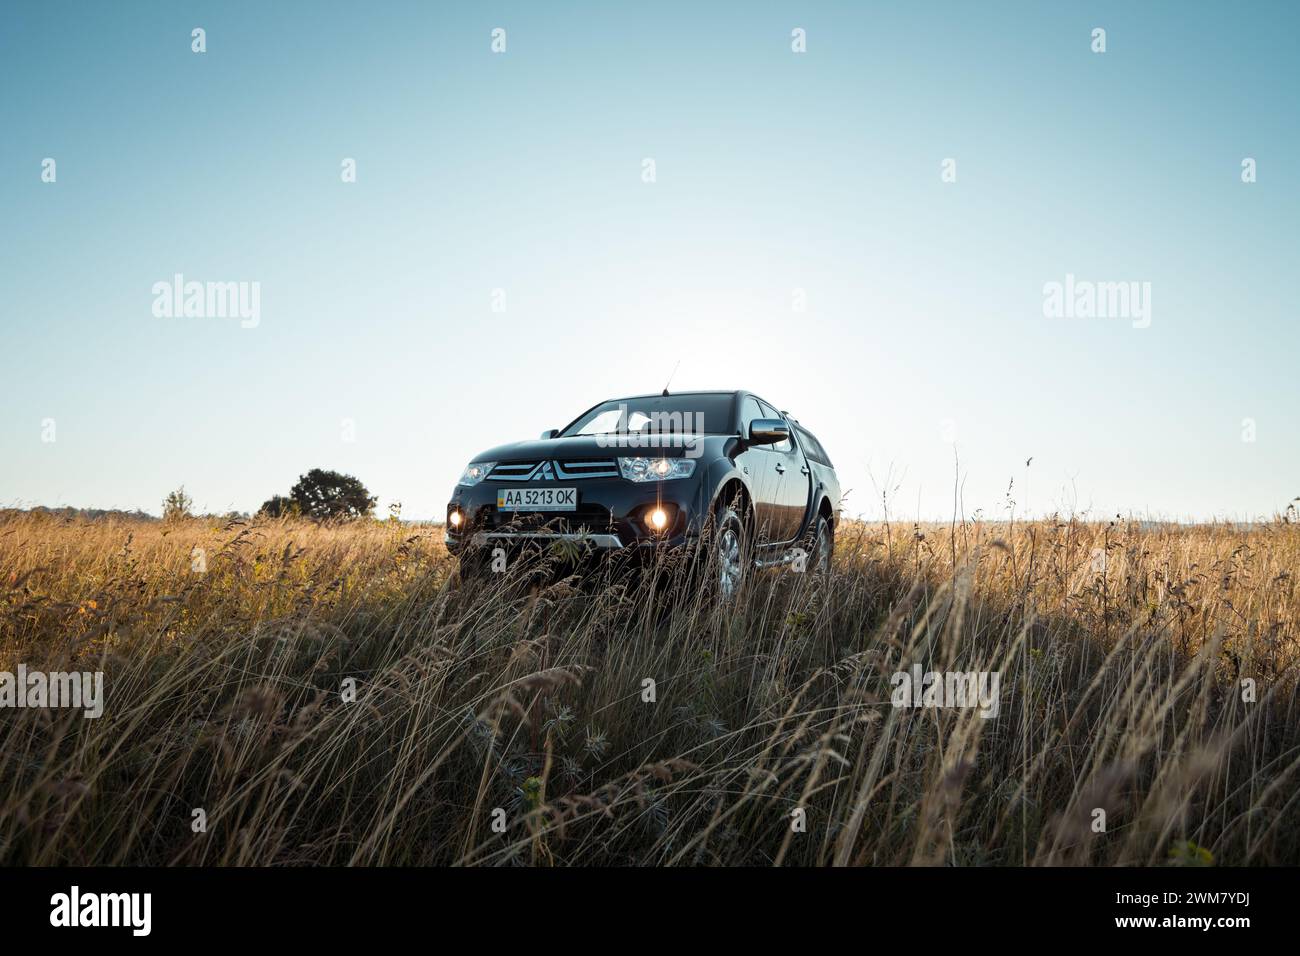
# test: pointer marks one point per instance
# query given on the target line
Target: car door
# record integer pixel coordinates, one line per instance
(793, 480)
(758, 464)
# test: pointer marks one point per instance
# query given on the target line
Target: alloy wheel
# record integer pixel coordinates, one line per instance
(730, 568)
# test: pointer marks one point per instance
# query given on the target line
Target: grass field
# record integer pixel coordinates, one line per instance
(497, 724)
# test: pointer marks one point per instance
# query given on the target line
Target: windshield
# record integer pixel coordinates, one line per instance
(658, 415)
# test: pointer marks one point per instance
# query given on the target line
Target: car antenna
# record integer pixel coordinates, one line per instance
(670, 377)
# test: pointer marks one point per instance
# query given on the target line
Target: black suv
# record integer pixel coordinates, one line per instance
(631, 476)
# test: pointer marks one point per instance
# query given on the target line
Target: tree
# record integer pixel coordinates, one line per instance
(278, 506)
(177, 505)
(328, 495)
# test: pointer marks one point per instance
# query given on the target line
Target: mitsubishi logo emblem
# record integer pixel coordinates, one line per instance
(544, 472)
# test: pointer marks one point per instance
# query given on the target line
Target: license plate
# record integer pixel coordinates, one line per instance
(537, 499)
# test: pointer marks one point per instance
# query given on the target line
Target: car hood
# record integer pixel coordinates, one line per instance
(609, 446)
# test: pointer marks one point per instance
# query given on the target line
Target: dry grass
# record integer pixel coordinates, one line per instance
(1120, 689)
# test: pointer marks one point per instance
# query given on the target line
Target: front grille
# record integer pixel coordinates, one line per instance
(558, 470)
(604, 468)
(513, 471)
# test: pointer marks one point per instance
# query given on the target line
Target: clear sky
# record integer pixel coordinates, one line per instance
(923, 331)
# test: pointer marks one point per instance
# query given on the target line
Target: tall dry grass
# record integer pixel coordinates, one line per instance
(1121, 689)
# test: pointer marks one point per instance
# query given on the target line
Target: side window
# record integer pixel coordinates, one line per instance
(811, 446)
(824, 458)
(770, 412)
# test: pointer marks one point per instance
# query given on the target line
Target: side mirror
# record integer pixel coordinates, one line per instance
(550, 433)
(768, 431)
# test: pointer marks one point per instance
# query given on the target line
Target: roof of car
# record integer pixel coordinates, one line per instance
(698, 391)
(672, 394)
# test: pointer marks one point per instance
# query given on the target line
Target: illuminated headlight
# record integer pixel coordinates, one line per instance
(455, 519)
(475, 472)
(655, 469)
(659, 519)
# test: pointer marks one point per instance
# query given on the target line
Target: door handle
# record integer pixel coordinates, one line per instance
(780, 467)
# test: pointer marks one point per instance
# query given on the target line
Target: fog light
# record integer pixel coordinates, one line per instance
(658, 519)
(455, 519)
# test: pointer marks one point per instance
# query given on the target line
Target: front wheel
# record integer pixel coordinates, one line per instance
(820, 547)
(730, 553)
(472, 566)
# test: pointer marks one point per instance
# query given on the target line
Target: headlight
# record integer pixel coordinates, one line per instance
(475, 472)
(656, 469)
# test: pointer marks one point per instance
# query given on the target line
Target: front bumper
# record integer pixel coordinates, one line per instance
(611, 517)
(603, 542)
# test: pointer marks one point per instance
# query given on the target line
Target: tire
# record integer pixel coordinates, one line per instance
(473, 566)
(729, 552)
(820, 547)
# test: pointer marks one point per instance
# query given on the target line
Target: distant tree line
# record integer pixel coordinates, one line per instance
(320, 495)
(84, 514)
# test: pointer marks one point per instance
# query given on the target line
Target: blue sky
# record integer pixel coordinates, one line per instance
(923, 332)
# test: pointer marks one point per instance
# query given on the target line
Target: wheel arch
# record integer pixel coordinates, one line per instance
(732, 485)
(825, 509)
